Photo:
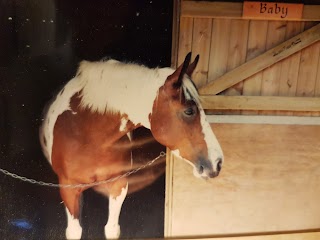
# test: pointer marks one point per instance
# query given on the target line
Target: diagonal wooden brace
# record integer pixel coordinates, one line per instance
(263, 61)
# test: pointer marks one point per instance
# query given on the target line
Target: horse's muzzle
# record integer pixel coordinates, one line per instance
(206, 169)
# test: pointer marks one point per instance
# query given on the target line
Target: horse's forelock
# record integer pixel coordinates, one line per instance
(190, 90)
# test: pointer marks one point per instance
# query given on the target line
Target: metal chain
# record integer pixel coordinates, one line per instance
(81, 185)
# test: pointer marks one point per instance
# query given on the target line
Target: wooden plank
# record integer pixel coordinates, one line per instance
(258, 119)
(237, 51)
(211, 9)
(256, 46)
(278, 171)
(272, 10)
(311, 13)
(263, 61)
(221, 29)
(185, 38)
(315, 235)
(263, 103)
(175, 33)
(233, 10)
(220, 40)
(308, 69)
(270, 77)
(290, 66)
(201, 40)
(169, 193)
(317, 88)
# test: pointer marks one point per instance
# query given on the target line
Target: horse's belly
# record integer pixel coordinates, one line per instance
(88, 162)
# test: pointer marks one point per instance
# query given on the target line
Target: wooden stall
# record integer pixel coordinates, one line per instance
(259, 81)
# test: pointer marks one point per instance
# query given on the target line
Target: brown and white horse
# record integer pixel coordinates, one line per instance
(92, 116)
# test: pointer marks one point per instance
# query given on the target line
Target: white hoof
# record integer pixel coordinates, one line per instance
(73, 231)
(112, 231)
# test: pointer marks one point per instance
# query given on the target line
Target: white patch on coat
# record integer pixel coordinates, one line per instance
(112, 228)
(215, 153)
(60, 105)
(121, 87)
(73, 230)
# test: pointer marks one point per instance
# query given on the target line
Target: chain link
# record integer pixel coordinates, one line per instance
(81, 185)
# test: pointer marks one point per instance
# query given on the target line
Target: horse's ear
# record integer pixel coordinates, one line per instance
(184, 68)
(175, 79)
(192, 66)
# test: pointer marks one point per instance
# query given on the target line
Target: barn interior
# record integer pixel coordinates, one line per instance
(259, 82)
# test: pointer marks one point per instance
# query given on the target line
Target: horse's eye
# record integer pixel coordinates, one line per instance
(189, 111)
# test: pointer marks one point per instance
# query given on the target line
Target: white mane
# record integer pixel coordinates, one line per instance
(120, 87)
(125, 87)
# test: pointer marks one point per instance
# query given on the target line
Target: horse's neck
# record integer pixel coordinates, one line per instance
(128, 89)
(140, 102)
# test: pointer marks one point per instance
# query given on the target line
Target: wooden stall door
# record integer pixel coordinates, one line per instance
(269, 183)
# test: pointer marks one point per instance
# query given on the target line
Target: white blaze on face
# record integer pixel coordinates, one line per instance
(215, 153)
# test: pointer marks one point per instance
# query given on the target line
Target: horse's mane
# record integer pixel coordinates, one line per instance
(112, 85)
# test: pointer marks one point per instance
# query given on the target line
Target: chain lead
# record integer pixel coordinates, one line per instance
(81, 185)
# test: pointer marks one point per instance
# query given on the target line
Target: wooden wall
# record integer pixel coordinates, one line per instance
(225, 42)
(269, 183)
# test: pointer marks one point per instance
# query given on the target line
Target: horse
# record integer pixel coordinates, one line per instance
(85, 133)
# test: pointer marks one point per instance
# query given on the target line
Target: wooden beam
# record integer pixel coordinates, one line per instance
(311, 13)
(280, 236)
(175, 33)
(211, 9)
(168, 199)
(263, 119)
(263, 61)
(267, 103)
(233, 10)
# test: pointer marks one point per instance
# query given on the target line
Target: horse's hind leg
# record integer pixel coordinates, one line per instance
(117, 192)
(71, 198)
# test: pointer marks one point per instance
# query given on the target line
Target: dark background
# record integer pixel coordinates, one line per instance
(41, 44)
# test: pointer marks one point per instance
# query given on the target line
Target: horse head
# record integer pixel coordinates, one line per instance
(178, 121)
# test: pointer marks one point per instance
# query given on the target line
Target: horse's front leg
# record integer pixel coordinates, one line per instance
(71, 199)
(117, 193)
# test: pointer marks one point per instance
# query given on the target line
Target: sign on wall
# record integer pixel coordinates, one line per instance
(272, 10)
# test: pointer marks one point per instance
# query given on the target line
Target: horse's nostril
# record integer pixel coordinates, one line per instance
(219, 165)
(201, 169)
(212, 174)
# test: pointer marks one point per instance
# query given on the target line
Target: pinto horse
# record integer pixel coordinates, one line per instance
(92, 116)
